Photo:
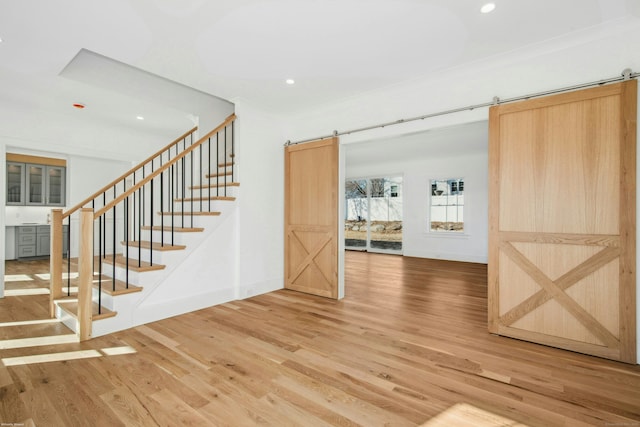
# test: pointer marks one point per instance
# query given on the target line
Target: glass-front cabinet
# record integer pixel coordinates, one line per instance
(15, 183)
(35, 184)
(55, 186)
(45, 185)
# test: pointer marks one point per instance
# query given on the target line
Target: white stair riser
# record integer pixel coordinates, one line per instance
(159, 257)
(178, 237)
(68, 320)
(185, 220)
(135, 277)
(106, 300)
(215, 206)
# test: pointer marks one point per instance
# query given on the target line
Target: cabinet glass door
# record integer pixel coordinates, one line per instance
(35, 184)
(15, 183)
(55, 186)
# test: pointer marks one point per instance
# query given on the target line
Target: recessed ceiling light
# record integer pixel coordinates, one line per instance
(139, 117)
(290, 81)
(489, 7)
(78, 105)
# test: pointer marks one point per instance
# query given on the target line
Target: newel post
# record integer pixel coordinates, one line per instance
(85, 274)
(55, 262)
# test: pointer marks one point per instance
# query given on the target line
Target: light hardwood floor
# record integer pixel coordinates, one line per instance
(407, 346)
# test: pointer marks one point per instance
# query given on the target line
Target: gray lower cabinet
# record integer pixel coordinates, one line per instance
(43, 240)
(26, 238)
(34, 241)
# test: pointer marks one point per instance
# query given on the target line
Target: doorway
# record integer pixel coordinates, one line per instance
(373, 214)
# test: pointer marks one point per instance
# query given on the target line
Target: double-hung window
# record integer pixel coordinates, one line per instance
(446, 213)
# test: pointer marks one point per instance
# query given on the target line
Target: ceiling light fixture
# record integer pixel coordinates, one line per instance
(487, 8)
(139, 117)
(78, 106)
(290, 81)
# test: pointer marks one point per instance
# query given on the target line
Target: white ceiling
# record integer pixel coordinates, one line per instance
(245, 49)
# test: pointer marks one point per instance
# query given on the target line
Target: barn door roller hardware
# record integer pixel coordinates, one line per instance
(626, 74)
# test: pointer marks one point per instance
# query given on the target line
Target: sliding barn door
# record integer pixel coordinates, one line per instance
(311, 218)
(562, 221)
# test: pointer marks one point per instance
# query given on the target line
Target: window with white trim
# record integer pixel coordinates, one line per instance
(446, 206)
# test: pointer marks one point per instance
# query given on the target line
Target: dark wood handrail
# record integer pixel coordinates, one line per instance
(131, 171)
(164, 167)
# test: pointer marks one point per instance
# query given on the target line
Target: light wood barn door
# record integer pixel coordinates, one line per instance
(311, 218)
(562, 221)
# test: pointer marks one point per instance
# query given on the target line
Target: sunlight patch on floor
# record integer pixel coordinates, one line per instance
(38, 341)
(18, 278)
(28, 322)
(67, 355)
(51, 357)
(65, 276)
(465, 415)
(117, 351)
(25, 292)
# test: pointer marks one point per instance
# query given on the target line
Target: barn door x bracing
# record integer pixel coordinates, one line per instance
(311, 218)
(562, 221)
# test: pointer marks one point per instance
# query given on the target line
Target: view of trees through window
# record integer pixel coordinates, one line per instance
(447, 205)
(373, 213)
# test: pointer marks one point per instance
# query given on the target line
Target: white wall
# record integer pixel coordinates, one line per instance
(89, 174)
(260, 156)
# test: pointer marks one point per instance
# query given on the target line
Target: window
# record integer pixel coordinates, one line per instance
(373, 214)
(377, 187)
(447, 205)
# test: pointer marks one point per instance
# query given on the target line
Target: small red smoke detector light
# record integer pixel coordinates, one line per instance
(78, 106)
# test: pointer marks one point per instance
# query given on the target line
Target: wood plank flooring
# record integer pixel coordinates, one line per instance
(407, 346)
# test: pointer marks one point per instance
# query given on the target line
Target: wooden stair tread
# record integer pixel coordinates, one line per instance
(71, 307)
(224, 165)
(133, 264)
(215, 185)
(197, 199)
(156, 246)
(175, 229)
(176, 213)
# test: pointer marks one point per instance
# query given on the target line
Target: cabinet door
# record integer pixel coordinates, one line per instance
(15, 183)
(26, 251)
(55, 194)
(35, 184)
(43, 244)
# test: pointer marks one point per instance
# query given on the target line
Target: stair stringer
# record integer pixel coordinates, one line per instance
(204, 276)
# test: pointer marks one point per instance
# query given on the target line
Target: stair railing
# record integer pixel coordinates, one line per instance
(120, 212)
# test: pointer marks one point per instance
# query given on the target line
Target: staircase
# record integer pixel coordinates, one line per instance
(154, 243)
